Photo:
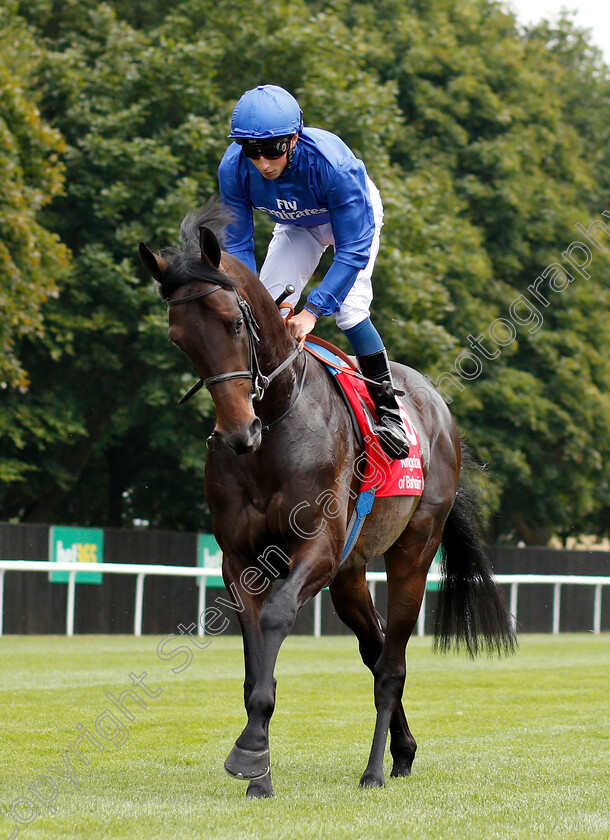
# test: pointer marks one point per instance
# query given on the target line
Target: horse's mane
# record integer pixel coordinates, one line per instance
(186, 264)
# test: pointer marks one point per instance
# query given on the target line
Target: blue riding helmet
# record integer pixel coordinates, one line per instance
(265, 112)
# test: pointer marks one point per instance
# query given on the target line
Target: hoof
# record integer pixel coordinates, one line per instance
(260, 788)
(247, 764)
(369, 780)
(400, 768)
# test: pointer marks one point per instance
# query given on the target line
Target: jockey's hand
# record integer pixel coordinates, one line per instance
(302, 324)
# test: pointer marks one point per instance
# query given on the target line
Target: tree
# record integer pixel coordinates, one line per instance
(32, 260)
(490, 112)
(102, 373)
(478, 136)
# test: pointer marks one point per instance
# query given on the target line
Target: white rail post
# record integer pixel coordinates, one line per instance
(317, 615)
(556, 607)
(597, 610)
(203, 580)
(421, 618)
(2, 601)
(373, 590)
(137, 621)
(514, 601)
(70, 604)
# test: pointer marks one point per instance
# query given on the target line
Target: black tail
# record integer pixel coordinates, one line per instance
(471, 610)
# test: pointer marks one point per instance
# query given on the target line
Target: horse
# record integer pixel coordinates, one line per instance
(280, 482)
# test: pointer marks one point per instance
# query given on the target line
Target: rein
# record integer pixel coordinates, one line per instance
(260, 382)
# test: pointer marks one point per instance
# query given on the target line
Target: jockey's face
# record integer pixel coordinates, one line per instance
(272, 168)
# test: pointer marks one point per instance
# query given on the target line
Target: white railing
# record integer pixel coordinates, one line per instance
(514, 581)
(141, 572)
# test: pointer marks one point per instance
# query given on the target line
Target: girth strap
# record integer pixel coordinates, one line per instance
(362, 508)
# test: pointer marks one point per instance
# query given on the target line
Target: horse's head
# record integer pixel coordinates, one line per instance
(213, 324)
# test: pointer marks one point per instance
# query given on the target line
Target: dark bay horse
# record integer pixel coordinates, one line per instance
(280, 482)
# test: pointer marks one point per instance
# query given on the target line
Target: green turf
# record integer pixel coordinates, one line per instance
(511, 748)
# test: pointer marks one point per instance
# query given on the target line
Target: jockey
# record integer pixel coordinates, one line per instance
(319, 194)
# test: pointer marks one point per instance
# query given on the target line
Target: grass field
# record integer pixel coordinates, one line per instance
(512, 748)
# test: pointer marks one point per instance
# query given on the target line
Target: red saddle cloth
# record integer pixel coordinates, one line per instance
(376, 471)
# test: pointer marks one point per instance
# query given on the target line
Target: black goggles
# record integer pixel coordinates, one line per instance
(271, 151)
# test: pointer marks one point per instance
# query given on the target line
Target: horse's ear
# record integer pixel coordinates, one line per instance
(210, 248)
(155, 265)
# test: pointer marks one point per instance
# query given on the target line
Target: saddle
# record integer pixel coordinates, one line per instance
(379, 476)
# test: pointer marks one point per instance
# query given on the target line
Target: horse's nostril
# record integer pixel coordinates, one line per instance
(244, 441)
(255, 428)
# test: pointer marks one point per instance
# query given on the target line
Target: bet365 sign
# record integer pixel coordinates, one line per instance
(76, 545)
(209, 556)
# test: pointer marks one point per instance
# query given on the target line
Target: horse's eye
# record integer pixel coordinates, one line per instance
(237, 324)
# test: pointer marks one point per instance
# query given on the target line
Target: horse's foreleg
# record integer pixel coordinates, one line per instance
(249, 620)
(352, 601)
(311, 570)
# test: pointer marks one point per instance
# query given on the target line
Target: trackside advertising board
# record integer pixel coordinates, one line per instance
(76, 545)
(209, 556)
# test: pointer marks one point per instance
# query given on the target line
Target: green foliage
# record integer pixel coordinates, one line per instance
(488, 144)
(32, 259)
(104, 363)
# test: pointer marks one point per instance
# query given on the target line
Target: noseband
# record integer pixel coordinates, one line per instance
(259, 381)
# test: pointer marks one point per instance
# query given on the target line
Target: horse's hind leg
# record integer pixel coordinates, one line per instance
(407, 564)
(352, 601)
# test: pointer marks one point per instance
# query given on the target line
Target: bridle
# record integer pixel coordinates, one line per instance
(260, 381)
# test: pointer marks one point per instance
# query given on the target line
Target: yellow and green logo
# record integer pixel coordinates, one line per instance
(76, 545)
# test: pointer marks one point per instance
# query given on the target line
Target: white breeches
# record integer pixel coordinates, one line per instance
(294, 253)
